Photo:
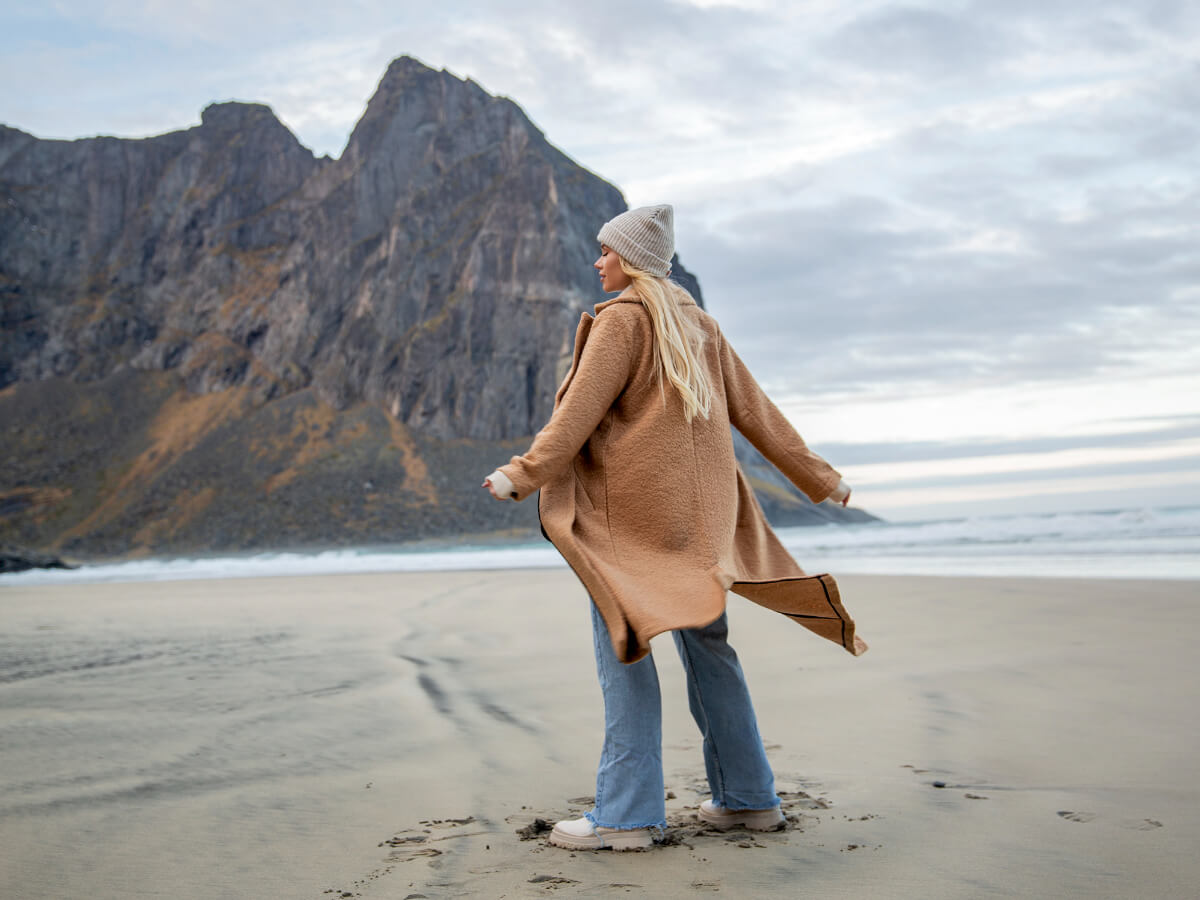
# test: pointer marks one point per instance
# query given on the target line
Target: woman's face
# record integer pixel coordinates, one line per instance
(612, 279)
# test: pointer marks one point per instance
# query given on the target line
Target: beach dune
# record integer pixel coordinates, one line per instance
(390, 735)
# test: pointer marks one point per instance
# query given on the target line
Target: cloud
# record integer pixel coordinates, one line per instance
(1032, 466)
(1004, 239)
(918, 42)
(1099, 492)
(1121, 433)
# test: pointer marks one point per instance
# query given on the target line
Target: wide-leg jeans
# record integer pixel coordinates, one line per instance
(629, 781)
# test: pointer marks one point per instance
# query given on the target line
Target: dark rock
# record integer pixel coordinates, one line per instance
(12, 560)
(533, 829)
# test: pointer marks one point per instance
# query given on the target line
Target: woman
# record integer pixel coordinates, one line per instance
(642, 495)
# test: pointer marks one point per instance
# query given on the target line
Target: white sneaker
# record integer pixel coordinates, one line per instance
(581, 834)
(755, 819)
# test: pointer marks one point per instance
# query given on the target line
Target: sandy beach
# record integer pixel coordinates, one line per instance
(387, 736)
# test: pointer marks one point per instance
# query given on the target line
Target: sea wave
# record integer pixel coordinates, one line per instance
(1122, 543)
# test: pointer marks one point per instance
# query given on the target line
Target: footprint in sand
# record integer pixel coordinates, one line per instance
(551, 879)
(1141, 824)
(1076, 816)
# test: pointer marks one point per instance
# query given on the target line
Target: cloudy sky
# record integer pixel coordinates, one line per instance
(958, 241)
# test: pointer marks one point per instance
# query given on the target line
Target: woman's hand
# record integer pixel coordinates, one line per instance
(841, 493)
(498, 485)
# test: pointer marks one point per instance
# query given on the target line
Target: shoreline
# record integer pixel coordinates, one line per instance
(1161, 542)
(1178, 568)
(388, 734)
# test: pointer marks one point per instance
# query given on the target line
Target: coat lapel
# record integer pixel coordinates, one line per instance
(581, 333)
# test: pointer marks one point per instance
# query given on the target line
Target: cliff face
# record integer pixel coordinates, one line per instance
(118, 251)
(211, 339)
(430, 270)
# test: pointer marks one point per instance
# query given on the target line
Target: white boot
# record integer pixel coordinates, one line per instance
(581, 834)
(755, 819)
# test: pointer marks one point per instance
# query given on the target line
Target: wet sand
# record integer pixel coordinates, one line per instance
(387, 736)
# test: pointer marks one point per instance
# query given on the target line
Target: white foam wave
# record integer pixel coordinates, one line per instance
(329, 562)
(1119, 528)
(1144, 543)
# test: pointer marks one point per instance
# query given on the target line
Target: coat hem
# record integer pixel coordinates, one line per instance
(848, 638)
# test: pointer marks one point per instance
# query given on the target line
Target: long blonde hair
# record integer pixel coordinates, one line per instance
(678, 340)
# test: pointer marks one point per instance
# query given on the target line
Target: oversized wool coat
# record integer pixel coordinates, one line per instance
(652, 511)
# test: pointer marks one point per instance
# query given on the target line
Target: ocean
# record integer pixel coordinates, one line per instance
(1123, 543)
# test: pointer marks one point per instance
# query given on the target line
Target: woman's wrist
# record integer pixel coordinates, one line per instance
(840, 494)
(502, 485)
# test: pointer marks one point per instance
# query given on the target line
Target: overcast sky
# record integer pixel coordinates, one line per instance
(958, 241)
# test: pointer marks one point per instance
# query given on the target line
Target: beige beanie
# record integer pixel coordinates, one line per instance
(643, 237)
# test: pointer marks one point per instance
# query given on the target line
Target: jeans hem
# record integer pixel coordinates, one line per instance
(658, 827)
(774, 805)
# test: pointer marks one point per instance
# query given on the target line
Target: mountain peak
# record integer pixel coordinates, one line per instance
(418, 113)
(234, 115)
(403, 65)
(407, 76)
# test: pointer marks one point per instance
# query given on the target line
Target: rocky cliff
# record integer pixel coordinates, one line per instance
(212, 340)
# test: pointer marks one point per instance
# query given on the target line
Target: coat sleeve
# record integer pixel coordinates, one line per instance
(604, 369)
(754, 415)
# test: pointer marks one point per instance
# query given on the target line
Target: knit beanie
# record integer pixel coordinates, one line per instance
(643, 237)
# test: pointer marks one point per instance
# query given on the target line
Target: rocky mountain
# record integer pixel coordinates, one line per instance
(212, 340)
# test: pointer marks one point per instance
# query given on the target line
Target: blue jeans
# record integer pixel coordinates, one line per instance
(629, 782)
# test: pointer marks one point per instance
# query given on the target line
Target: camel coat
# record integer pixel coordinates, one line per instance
(653, 512)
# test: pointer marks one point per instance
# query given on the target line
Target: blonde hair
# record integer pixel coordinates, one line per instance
(678, 340)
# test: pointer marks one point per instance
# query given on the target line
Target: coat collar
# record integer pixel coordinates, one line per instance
(627, 296)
